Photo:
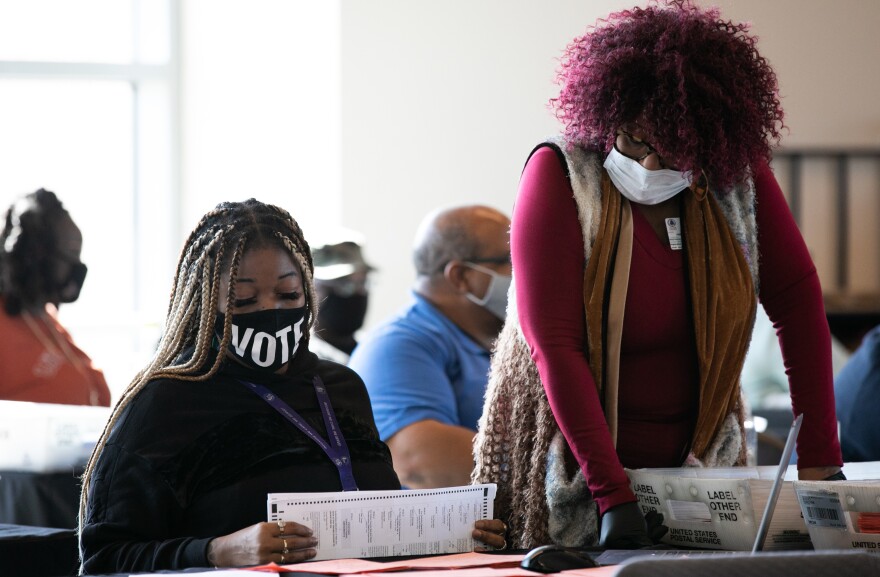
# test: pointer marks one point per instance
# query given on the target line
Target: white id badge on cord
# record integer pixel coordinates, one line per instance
(673, 231)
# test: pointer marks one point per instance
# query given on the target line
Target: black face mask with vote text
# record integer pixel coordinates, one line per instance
(264, 340)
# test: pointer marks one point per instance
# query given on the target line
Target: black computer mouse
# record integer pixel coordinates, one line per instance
(556, 558)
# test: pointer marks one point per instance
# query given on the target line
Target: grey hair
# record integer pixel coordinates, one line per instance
(443, 236)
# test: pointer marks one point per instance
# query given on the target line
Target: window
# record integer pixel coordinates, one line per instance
(87, 109)
(143, 114)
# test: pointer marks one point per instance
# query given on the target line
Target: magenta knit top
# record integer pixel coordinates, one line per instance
(658, 390)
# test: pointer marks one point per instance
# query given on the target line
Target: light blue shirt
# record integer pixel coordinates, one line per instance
(418, 366)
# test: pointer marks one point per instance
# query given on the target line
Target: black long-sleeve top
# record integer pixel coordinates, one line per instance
(190, 461)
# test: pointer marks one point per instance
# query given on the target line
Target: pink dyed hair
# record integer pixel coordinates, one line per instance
(696, 83)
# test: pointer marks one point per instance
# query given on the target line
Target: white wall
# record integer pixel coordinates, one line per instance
(260, 107)
(443, 100)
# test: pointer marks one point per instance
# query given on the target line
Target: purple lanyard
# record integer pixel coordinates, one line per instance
(338, 451)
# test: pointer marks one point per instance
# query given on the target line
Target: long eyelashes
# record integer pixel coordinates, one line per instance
(287, 296)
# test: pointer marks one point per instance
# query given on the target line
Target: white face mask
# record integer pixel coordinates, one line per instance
(641, 185)
(495, 299)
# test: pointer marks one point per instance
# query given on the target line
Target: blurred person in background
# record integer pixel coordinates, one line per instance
(857, 397)
(342, 284)
(40, 268)
(426, 369)
(764, 381)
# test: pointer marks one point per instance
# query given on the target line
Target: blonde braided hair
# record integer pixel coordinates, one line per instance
(215, 245)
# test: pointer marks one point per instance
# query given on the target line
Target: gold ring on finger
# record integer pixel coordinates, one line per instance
(281, 525)
(285, 551)
(282, 557)
(285, 543)
(503, 545)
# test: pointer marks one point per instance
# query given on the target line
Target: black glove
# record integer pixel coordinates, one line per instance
(624, 527)
(656, 529)
(838, 476)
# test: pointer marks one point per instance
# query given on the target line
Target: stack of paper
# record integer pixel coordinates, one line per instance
(360, 524)
(45, 437)
(721, 508)
(421, 565)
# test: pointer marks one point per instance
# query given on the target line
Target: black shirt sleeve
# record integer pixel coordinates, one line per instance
(132, 513)
(190, 461)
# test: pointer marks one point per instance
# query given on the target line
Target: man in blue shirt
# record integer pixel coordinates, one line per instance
(426, 369)
(857, 396)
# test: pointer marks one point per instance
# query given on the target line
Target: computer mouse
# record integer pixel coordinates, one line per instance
(556, 558)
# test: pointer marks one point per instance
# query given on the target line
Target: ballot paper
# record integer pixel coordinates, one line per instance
(357, 524)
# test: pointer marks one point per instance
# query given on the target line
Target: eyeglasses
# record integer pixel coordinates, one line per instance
(499, 260)
(636, 148)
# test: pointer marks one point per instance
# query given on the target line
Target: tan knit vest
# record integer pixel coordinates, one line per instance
(519, 445)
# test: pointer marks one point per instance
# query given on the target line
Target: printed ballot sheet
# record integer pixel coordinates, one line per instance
(357, 524)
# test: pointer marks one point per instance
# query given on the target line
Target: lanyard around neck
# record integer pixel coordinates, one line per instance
(336, 449)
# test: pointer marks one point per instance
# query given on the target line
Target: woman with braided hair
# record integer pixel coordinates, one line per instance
(228, 410)
(40, 268)
(641, 244)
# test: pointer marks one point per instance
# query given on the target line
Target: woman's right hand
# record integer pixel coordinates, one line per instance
(625, 527)
(281, 542)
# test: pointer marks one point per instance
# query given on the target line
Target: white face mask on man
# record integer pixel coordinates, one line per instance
(643, 186)
(495, 299)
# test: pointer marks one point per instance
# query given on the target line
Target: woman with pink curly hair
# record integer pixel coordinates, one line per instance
(642, 241)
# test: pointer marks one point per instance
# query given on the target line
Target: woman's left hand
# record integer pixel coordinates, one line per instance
(492, 532)
(818, 473)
